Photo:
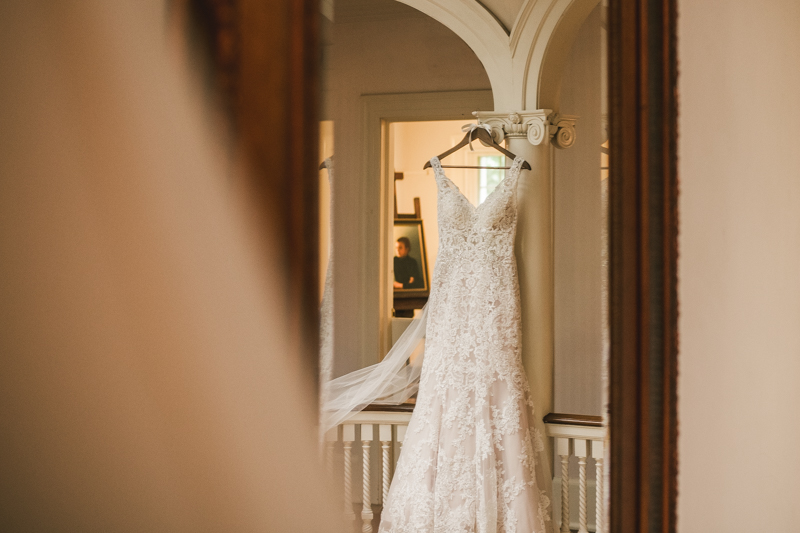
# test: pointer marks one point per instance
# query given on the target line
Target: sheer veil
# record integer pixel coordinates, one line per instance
(391, 382)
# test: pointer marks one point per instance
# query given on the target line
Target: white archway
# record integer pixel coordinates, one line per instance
(483, 34)
(546, 35)
(524, 68)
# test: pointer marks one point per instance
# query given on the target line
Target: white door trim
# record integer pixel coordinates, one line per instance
(377, 216)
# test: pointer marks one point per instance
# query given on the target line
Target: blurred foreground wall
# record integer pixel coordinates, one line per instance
(145, 385)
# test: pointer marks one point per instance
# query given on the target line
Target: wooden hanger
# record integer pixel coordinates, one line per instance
(484, 137)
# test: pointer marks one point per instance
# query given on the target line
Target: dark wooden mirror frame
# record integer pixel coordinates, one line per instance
(266, 58)
(643, 233)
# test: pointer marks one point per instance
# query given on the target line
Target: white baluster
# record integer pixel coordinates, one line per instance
(385, 431)
(348, 437)
(564, 448)
(331, 436)
(401, 436)
(580, 453)
(366, 508)
(598, 449)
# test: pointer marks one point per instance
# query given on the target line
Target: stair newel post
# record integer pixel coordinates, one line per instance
(331, 436)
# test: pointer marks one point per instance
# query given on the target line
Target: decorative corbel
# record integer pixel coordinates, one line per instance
(540, 127)
(564, 137)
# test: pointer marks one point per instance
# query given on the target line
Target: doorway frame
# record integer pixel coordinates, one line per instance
(378, 112)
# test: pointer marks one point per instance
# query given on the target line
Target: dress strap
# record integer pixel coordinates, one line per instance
(516, 166)
(513, 172)
(438, 172)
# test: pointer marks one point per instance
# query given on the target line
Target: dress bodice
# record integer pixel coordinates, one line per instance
(470, 235)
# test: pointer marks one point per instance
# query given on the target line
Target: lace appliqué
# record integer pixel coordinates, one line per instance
(473, 456)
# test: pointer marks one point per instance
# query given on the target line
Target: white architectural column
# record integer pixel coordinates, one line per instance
(532, 135)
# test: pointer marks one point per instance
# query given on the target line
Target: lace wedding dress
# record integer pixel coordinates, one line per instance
(473, 456)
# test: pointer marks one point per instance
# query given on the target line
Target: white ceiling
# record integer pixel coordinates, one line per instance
(346, 11)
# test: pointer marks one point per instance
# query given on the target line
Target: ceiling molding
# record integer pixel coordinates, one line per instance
(496, 18)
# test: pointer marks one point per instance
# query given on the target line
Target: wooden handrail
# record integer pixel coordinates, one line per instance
(552, 418)
(402, 408)
(574, 420)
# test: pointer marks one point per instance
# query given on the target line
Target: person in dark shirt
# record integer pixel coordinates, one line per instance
(406, 269)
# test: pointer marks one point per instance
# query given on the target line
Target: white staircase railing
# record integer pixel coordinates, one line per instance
(381, 434)
(583, 437)
(389, 427)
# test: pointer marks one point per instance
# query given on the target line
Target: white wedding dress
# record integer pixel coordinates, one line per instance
(473, 456)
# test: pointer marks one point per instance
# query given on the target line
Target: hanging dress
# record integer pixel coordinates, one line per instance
(473, 459)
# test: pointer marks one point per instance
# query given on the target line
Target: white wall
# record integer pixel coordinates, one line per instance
(739, 266)
(375, 47)
(577, 233)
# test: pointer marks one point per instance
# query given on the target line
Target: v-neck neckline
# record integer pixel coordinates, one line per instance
(437, 167)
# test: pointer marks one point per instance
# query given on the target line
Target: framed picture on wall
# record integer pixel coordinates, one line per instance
(410, 259)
